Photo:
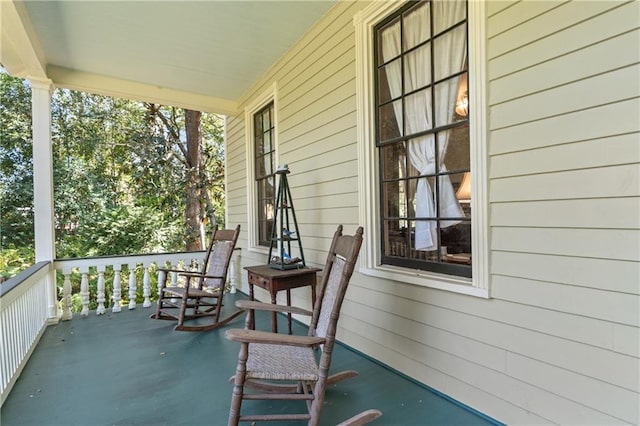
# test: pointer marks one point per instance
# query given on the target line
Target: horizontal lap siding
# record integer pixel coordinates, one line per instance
(316, 134)
(565, 203)
(588, 154)
(236, 178)
(558, 341)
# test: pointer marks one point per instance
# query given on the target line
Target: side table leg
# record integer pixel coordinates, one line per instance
(252, 315)
(313, 294)
(289, 313)
(274, 317)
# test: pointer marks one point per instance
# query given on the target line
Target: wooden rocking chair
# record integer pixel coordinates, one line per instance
(284, 367)
(203, 291)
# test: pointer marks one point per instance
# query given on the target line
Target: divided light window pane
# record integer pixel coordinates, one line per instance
(423, 137)
(264, 171)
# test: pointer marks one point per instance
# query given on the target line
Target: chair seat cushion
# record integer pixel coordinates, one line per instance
(276, 362)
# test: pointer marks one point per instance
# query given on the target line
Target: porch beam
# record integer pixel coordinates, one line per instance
(43, 183)
(20, 51)
(127, 89)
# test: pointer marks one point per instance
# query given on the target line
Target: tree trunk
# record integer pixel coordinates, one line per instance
(193, 214)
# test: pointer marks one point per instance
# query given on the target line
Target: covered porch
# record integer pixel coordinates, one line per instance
(120, 369)
(546, 330)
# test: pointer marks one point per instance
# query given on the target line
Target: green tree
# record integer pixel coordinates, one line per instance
(120, 173)
(16, 167)
(192, 144)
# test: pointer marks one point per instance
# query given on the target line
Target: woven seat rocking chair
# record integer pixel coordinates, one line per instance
(275, 366)
(203, 292)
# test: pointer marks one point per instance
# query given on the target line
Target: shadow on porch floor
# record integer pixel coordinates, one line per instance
(120, 369)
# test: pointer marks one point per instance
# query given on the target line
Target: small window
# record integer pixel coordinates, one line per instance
(264, 171)
(422, 137)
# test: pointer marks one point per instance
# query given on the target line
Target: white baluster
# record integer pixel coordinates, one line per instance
(174, 281)
(146, 286)
(132, 286)
(234, 269)
(161, 276)
(84, 290)
(100, 297)
(66, 296)
(117, 291)
(174, 277)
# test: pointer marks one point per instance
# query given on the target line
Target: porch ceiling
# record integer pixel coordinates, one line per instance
(196, 54)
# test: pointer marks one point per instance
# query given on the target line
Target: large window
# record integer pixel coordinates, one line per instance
(265, 166)
(422, 136)
(421, 85)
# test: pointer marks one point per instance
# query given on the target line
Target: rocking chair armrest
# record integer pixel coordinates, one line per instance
(198, 274)
(260, 306)
(255, 336)
(171, 270)
(186, 273)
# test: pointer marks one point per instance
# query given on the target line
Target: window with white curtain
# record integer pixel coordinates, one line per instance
(422, 137)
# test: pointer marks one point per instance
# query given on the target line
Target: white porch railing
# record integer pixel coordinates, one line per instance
(23, 318)
(124, 282)
(24, 303)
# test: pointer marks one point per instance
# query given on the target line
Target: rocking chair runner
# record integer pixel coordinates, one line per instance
(203, 291)
(270, 363)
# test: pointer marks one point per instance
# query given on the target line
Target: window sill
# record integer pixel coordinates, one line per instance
(426, 279)
(259, 250)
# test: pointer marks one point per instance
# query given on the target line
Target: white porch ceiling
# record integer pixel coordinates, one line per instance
(198, 54)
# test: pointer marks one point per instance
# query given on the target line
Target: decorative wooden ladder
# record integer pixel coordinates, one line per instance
(282, 236)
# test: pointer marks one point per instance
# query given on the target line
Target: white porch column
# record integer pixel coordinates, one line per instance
(43, 183)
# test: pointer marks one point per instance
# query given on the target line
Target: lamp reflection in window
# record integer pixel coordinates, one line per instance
(462, 100)
(463, 194)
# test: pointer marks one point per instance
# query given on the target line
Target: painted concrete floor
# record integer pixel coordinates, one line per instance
(126, 369)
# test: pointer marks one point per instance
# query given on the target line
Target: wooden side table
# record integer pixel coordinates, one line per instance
(275, 280)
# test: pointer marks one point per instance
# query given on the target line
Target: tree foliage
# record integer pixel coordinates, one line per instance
(120, 173)
(16, 165)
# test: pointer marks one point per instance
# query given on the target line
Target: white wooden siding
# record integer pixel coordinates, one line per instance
(565, 186)
(602, 89)
(595, 123)
(593, 60)
(616, 18)
(536, 20)
(603, 152)
(316, 125)
(559, 340)
(583, 271)
(601, 182)
(580, 213)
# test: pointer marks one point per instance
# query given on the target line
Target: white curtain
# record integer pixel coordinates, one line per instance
(418, 108)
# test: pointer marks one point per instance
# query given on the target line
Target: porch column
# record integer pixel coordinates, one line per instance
(43, 184)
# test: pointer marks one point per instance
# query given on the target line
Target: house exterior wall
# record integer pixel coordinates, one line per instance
(558, 341)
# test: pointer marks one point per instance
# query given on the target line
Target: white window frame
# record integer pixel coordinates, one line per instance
(369, 196)
(269, 95)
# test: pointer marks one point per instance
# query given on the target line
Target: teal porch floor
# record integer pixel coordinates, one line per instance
(127, 369)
